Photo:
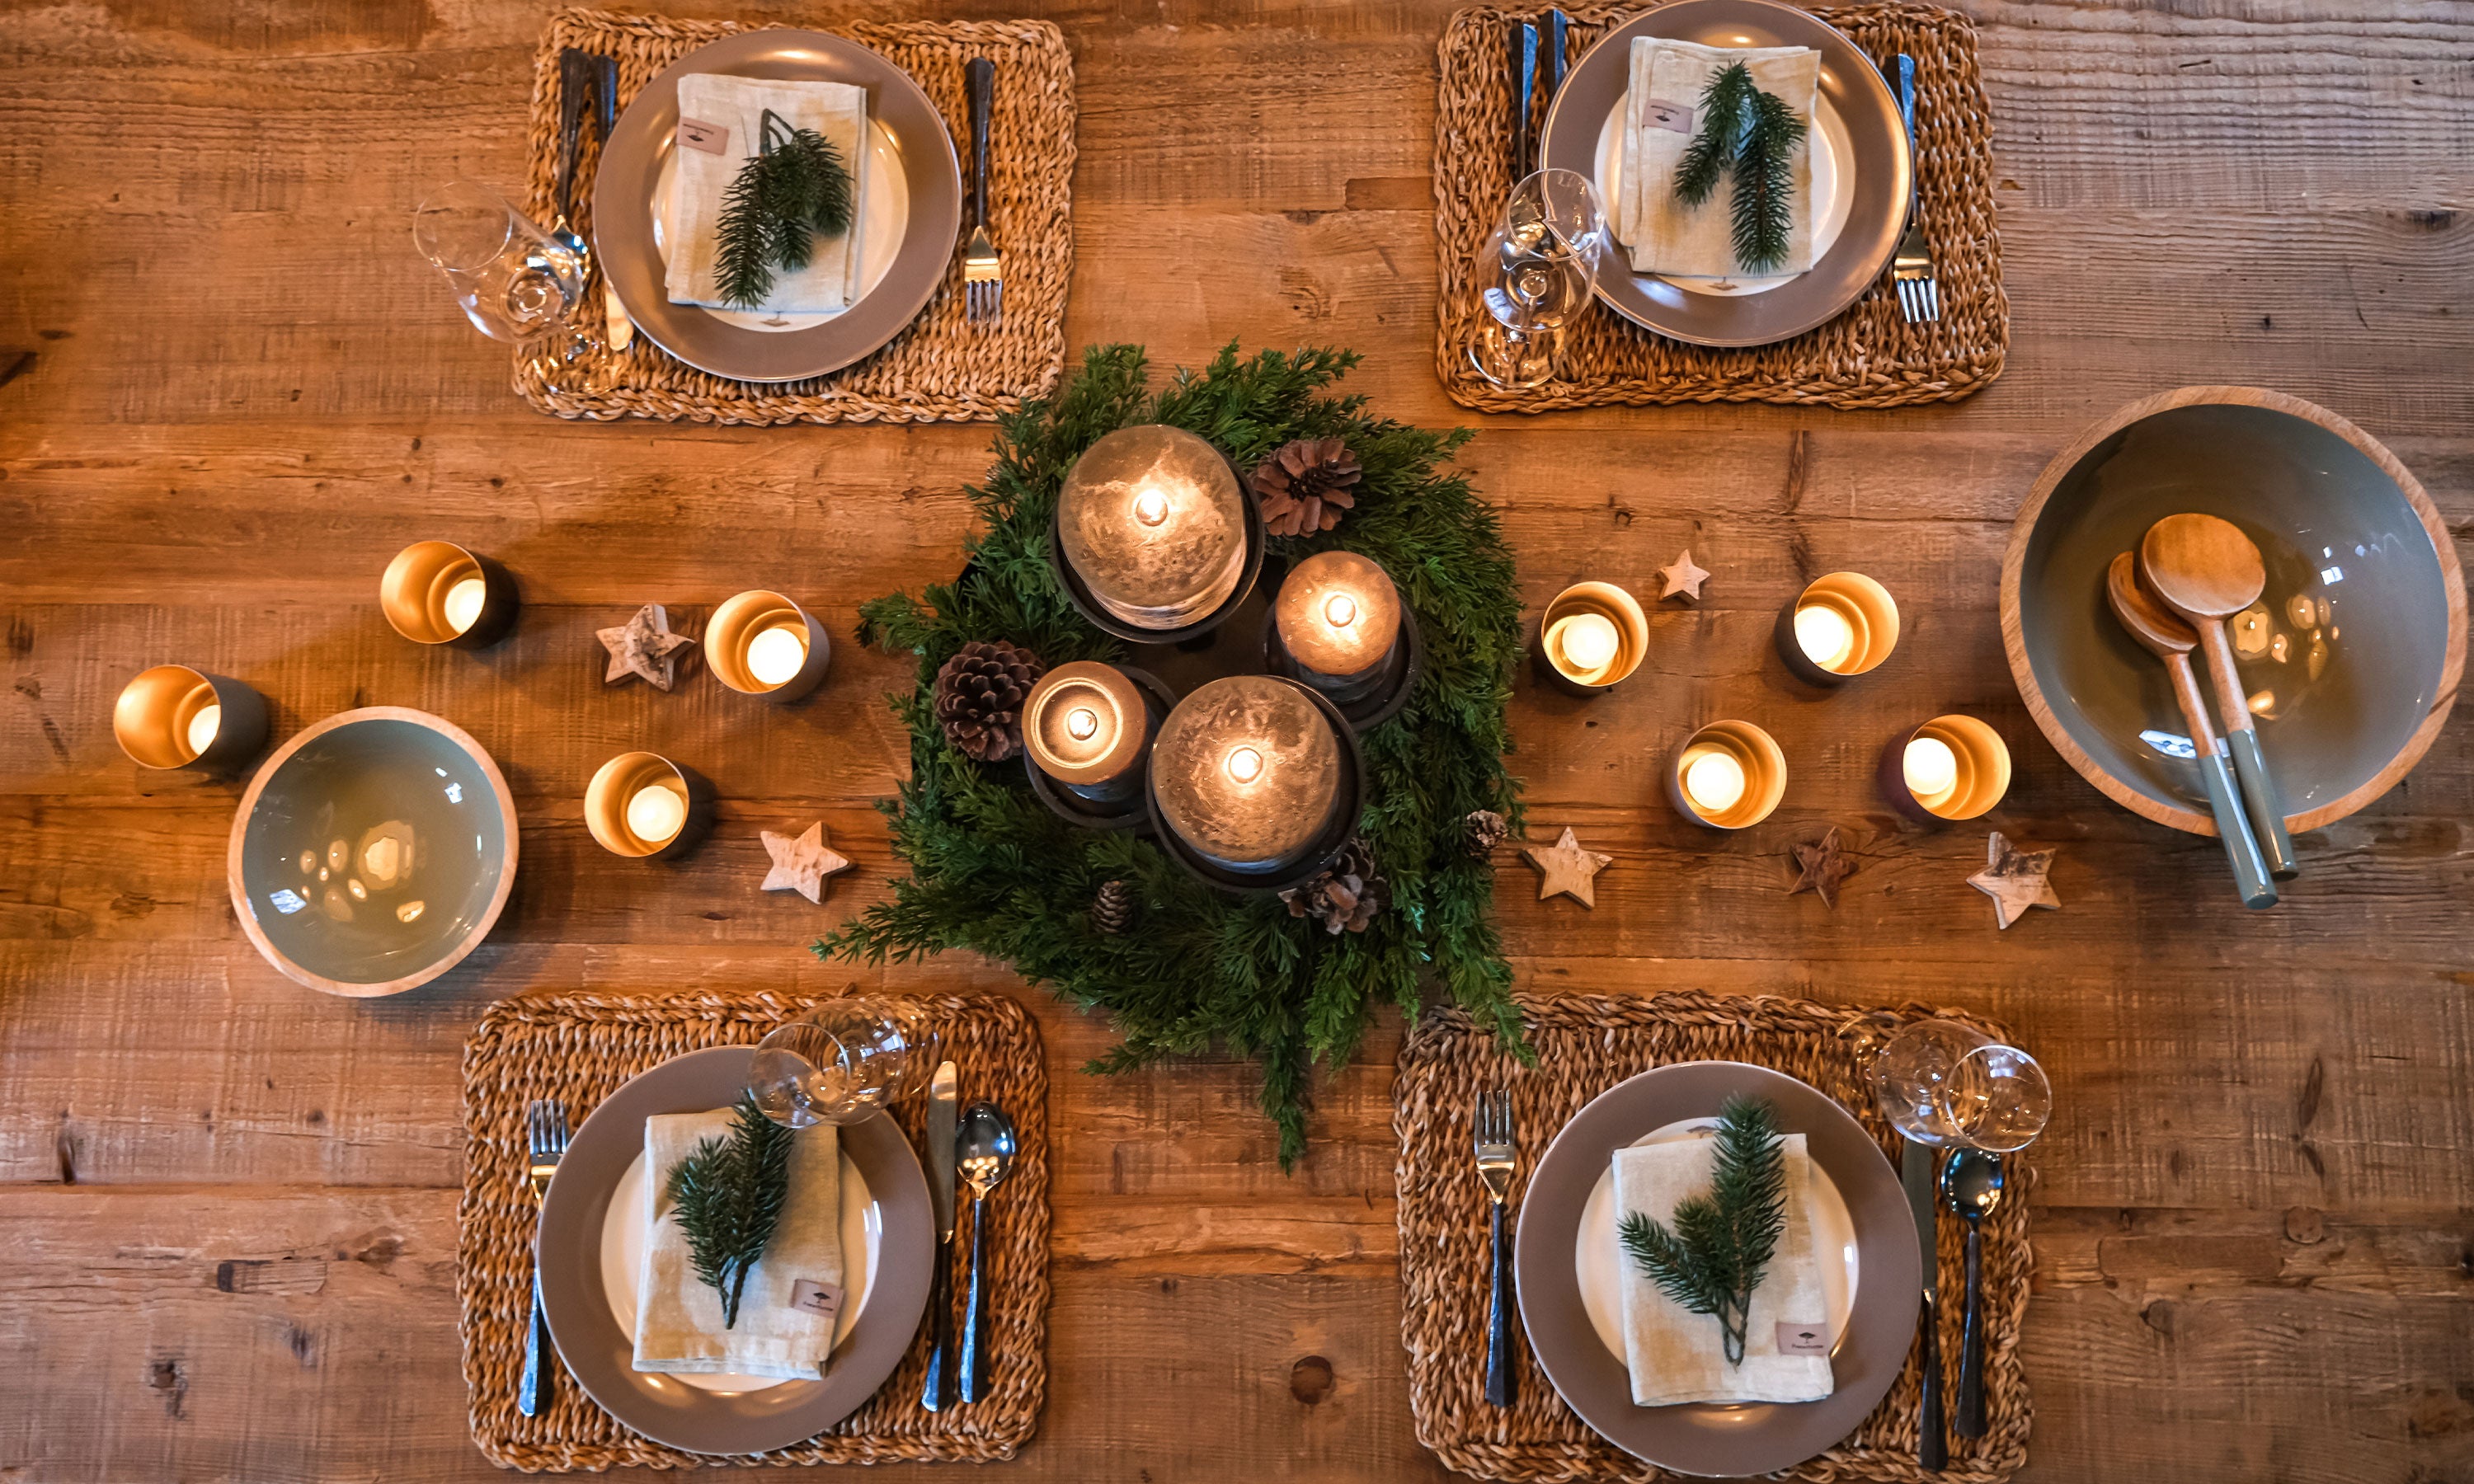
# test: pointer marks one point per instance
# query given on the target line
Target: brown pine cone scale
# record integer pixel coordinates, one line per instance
(1347, 897)
(979, 697)
(1304, 486)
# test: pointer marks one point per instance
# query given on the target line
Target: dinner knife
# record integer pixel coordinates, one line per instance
(1559, 28)
(1524, 91)
(1917, 1173)
(617, 330)
(943, 1094)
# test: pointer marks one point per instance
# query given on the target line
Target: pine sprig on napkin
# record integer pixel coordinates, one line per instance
(1722, 1243)
(1750, 135)
(728, 1196)
(793, 187)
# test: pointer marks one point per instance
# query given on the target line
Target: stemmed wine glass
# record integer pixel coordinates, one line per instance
(514, 280)
(1539, 267)
(1942, 1084)
(842, 1060)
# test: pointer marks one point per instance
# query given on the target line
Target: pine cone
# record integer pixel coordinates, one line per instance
(1345, 898)
(978, 698)
(1303, 487)
(1483, 831)
(1112, 910)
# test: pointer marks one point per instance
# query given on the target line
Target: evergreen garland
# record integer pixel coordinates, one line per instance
(994, 870)
(1751, 136)
(794, 187)
(1722, 1241)
(727, 1195)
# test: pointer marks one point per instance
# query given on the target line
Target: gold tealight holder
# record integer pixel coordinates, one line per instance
(1727, 775)
(760, 643)
(641, 805)
(1591, 638)
(437, 592)
(1951, 768)
(172, 716)
(1839, 627)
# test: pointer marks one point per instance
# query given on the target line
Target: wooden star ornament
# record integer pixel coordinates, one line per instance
(1568, 869)
(1683, 580)
(1824, 865)
(643, 646)
(802, 862)
(2015, 879)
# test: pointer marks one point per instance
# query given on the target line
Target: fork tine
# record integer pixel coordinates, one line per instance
(1933, 300)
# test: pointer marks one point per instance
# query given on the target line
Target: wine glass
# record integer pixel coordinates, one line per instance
(1539, 267)
(842, 1060)
(514, 280)
(1941, 1083)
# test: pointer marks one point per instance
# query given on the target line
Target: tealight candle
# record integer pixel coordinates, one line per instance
(204, 726)
(1088, 726)
(760, 643)
(1839, 626)
(656, 812)
(1338, 621)
(1591, 636)
(1931, 770)
(1247, 772)
(1714, 781)
(1951, 768)
(642, 804)
(1585, 645)
(172, 716)
(1728, 774)
(437, 592)
(1154, 523)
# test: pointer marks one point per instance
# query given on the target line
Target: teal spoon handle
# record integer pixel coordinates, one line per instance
(2241, 847)
(2266, 810)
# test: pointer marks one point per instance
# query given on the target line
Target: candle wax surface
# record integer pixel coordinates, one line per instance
(1824, 634)
(464, 603)
(1715, 782)
(1931, 769)
(775, 656)
(1338, 613)
(655, 813)
(203, 728)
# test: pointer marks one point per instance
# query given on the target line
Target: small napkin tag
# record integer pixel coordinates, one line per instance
(697, 135)
(1656, 113)
(1802, 1339)
(821, 1298)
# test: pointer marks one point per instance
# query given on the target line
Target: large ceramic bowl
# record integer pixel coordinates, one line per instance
(2351, 658)
(373, 851)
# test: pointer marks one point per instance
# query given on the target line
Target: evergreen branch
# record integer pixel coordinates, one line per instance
(1712, 152)
(727, 1195)
(1720, 1247)
(794, 188)
(1764, 173)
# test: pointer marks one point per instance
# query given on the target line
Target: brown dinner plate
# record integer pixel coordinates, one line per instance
(1705, 1439)
(626, 200)
(601, 1356)
(1878, 141)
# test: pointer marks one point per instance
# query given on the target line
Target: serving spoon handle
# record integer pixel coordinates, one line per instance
(2241, 847)
(2257, 790)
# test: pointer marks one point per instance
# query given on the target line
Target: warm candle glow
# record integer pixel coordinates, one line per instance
(1714, 781)
(1340, 612)
(1086, 725)
(1338, 615)
(1586, 644)
(464, 603)
(1150, 506)
(203, 728)
(1082, 724)
(1245, 765)
(655, 813)
(776, 654)
(1931, 770)
(1248, 770)
(1153, 522)
(1824, 634)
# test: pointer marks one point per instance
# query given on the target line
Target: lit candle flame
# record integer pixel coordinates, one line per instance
(655, 813)
(1245, 765)
(777, 654)
(1150, 506)
(1931, 770)
(203, 728)
(1824, 634)
(1082, 724)
(1340, 611)
(464, 603)
(1714, 781)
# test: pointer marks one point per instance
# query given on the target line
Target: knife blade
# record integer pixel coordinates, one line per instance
(936, 1387)
(1558, 41)
(943, 1103)
(1918, 1168)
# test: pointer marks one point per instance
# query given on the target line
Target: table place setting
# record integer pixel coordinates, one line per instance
(747, 1249)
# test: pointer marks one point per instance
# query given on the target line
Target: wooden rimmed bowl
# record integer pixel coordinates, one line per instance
(373, 851)
(2352, 657)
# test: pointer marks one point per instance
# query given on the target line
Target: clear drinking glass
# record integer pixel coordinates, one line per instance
(842, 1060)
(1943, 1084)
(514, 280)
(1538, 267)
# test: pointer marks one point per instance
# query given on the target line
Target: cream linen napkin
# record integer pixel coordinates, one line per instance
(786, 1314)
(1662, 111)
(1676, 1356)
(838, 110)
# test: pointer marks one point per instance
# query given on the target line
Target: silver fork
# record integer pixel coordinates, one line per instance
(1492, 1121)
(982, 279)
(545, 1130)
(1911, 269)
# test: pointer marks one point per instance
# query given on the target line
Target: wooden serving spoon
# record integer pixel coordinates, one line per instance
(2206, 570)
(2169, 639)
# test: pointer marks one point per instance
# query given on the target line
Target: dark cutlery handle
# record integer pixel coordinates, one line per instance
(2266, 810)
(2241, 847)
(1971, 1342)
(936, 1390)
(533, 1391)
(1904, 79)
(1502, 1386)
(975, 1317)
(1558, 33)
(981, 74)
(1932, 1448)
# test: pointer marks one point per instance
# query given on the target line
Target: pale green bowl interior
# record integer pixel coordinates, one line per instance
(373, 851)
(2332, 526)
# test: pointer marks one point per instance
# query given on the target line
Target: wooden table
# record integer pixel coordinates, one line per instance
(227, 1231)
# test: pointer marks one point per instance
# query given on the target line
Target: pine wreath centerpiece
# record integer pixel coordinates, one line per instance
(1721, 1244)
(993, 870)
(727, 1196)
(794, 188)
(1749, 137)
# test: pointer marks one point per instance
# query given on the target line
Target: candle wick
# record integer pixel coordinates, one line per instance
(1082, 724)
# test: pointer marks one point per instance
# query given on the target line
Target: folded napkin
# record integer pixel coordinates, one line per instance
(1676, 1356)
(787, 1312)
(726, 114)
(1661, 114)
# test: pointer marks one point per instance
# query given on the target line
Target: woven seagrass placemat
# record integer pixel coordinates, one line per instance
(1586, 1044)
(581, 1048)
(1867, 357)
(938, 369)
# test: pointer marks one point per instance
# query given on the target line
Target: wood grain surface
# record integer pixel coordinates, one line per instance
(229, 390)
